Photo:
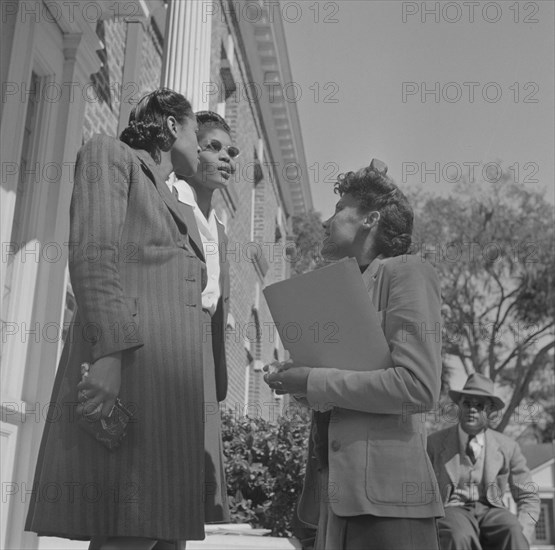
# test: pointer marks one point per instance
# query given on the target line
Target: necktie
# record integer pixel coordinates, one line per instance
(470, 449)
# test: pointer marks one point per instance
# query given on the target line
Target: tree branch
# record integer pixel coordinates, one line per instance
(525, 377)
(522, 345)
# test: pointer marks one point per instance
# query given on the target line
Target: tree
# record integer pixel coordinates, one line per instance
(492, 245)
(309, 234)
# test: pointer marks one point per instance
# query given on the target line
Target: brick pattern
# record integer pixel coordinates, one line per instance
(151, 62)
(262, 224)
(102, 109)
(262, 212)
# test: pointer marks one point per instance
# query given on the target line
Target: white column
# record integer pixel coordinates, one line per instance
(186, 64)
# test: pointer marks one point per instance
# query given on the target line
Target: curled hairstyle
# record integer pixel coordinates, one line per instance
(147, 128)
(376, 191)
(209, 120)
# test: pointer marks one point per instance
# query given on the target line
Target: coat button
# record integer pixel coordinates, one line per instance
(335, 445)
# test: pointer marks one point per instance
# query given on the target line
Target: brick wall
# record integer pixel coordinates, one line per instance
(102, 110)
(151, 62)
(256, 205)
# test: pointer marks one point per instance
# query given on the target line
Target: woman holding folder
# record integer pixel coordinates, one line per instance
(369, 483)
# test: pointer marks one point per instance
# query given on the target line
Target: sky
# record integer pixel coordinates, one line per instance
(438, 91)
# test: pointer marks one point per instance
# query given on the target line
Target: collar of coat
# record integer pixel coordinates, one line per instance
(182, 213)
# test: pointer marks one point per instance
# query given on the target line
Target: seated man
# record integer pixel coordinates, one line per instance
(473, 465)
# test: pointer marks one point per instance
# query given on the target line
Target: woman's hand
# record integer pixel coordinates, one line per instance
(99, 388)
(287, 377)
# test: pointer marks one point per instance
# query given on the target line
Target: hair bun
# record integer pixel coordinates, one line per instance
(400, 244)
(147, 128)
(145, 135)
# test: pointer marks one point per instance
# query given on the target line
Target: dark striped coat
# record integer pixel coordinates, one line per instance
(137, 278)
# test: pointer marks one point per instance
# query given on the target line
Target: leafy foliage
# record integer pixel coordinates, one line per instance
(264, 464)
(492, 245)
(309, 234)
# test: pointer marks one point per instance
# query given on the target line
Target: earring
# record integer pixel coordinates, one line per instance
(368, 219)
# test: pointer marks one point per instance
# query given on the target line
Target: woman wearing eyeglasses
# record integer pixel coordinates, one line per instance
(207, 234)
(369, 484)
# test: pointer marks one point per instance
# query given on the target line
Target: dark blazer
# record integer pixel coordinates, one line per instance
(504, 465)
(377, 437)
(219, 319)
(137, 279)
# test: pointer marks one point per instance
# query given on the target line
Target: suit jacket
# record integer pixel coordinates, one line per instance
(377, 438)
(137, 278)
(503, 464)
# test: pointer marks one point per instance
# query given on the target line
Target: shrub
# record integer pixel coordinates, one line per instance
(264, 464)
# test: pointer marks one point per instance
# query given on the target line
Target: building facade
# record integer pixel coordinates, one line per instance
(540, 458)
(73, 69)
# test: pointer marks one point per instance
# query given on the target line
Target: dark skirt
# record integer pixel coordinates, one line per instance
(216, 508)
(154, 485)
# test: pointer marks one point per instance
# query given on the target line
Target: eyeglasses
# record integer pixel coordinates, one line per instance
(478, 405)
(216, 146)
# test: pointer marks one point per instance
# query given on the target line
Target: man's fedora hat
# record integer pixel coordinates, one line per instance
(478, 385)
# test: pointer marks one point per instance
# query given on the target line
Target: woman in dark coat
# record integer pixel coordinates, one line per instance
(138, 282)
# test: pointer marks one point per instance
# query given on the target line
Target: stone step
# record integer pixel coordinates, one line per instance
(218, 537)
(241, 536)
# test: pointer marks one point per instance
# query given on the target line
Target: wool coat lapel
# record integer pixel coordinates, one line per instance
(182, 213)
(450, 455)
(192, 227)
